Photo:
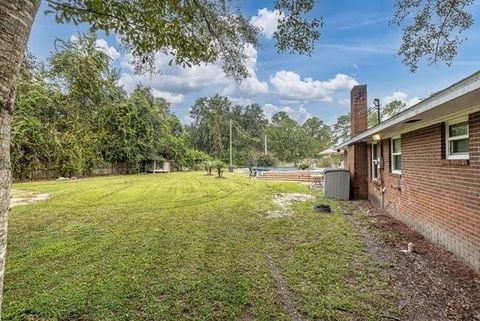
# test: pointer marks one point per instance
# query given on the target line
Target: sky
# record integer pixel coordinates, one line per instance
(357, 46)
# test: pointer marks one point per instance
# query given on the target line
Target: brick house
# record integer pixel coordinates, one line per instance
(422, 166)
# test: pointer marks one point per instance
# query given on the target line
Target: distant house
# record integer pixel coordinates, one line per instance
(423, 165)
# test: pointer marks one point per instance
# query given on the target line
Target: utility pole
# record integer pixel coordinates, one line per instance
(376, 103)
(230, 168)
(266, 151)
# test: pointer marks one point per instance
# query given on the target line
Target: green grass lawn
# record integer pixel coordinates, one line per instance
(182, 246)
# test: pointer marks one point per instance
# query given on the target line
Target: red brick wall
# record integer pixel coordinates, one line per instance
(358, 167)
(439, 198)
(358, 109)
(356, 161)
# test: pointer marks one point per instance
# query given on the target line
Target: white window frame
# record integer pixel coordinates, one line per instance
(449, 139)
(375, 162)
(395, 171)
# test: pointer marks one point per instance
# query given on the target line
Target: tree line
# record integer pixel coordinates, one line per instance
(287, 141)
(72, 116)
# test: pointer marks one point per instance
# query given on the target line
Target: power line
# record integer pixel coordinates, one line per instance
(364, 113)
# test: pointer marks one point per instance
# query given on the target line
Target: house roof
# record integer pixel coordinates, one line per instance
(458, 99)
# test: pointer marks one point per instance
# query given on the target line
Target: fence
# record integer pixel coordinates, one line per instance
(117, 168)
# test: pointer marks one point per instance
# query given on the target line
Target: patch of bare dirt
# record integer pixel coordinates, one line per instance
(430, 282)
(25, 197)
(284, 201)
(247, 313)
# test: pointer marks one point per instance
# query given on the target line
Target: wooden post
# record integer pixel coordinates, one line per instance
(154, 166)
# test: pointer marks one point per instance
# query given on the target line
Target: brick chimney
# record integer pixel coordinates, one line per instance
(358, 103)
(356, 159)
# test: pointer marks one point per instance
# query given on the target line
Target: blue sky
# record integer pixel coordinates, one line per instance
(357, 46)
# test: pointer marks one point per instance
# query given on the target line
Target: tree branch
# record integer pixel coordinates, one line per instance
(435, 55)
(98, 13)
(226, 52)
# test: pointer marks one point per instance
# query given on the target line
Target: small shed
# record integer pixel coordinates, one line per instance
(157, 166)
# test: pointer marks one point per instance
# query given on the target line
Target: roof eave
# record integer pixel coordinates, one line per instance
(456, 90)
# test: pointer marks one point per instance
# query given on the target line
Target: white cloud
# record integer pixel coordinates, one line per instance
(300, 114)
(402, 96)
(251, 85)
(172, 98)
(102, 45)
(267, 21)
(344, 102)
(174, 81)
(241, 101)
(290, 86)
(187, 119)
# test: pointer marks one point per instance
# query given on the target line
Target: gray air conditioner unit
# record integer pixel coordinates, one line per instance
(337, 184)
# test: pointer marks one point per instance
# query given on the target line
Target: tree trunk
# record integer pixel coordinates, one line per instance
(16, 19)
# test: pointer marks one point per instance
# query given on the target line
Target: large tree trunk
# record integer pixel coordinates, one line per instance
(16, 19)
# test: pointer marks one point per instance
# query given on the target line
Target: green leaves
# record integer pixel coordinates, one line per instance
(296, 34)
(341, 129)
(72, 116)
(433, 29)
(193, 31)
(287, 140)
(210, 128)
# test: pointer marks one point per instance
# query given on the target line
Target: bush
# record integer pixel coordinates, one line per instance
(195, 159)
(303, 166)
(253, 158)
(208, 165)
(267, 160)
(219, 166)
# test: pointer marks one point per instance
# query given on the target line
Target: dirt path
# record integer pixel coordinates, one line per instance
(430, 282)
(286, 296)
(20, 197)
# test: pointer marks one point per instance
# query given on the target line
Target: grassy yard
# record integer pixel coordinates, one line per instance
(183, 246)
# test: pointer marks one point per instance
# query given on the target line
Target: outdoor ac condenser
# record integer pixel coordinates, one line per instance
(337, 184)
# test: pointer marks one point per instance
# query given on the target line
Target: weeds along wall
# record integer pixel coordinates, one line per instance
(438, 197)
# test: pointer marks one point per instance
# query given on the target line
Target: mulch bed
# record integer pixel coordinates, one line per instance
(430, 282)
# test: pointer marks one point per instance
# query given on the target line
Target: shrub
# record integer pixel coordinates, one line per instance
(195, 159)
(267, 160)
(303, 166)
(219, 166)
(208, 165)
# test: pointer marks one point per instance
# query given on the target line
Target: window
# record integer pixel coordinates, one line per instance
(396, 155)
(457, 140)
(375, 161)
